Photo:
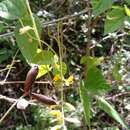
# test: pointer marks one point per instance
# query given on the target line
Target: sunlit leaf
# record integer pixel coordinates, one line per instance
(43, 69)
(13, 9)
(127, 10)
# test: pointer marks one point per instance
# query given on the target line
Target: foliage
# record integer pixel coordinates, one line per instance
(59, 52)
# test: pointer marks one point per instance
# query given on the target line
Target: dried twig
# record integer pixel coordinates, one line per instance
(22, 82)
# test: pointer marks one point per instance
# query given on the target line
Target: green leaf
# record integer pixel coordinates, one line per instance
(28, 46)
(127, 10)
(91, 61)
(114, 20)
(43, 69)
(43, 57)
(57, 69)
(27, 42)
(100, 6)
(12, 9)
(95, 82)
(108, 108)
(85, 99)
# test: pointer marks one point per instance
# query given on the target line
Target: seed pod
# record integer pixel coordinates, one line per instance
(44, 99)
(30, 78)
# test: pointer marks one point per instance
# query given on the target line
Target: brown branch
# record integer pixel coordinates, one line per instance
(22, 82)
(118, 95)
(53, 22)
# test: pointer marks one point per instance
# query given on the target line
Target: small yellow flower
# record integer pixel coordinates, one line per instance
(55, 113)
(69, 80)
(58, 115)
(24, 29)
(56, 78)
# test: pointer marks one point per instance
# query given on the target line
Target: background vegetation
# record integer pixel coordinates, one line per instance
(81, 48)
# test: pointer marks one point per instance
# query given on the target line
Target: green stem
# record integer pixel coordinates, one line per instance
(34, 24)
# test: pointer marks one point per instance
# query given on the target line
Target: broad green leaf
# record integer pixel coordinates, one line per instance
(57, 69)
(91, 61)
(115, 72)
(86, 102)
(43, 57)
(95, 82)
(108, 108)
(114, 20)
(27, 41)
(43, 69)
(100, 6)
(12, 9)
(28, 46)
(127, 10)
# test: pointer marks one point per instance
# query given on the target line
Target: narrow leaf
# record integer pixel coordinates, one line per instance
(85, 99)
(108, 108)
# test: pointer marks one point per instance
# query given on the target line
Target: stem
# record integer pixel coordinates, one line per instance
(34, 24)
(89, 28)
(59, 42)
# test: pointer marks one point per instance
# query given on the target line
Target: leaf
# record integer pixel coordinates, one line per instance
(85, 99)
(100, 6)
(114, 20)
(43, 69)
(13, 9)
(43, 57)
(27, 42)
(127, 10)
(95, 82)
(91, 61)
(108, 108)
(57, 69)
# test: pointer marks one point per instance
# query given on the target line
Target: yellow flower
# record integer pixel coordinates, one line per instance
(69, 80)
(56, 78)
(58, 115)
